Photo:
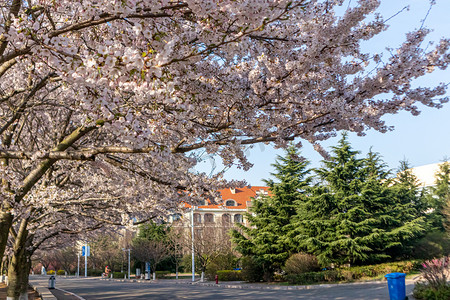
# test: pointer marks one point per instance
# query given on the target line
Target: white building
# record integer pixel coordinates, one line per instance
(426, 174)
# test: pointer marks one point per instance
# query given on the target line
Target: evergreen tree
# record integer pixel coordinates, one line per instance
(329, 220)
(352, 215)
(407, 211)
(439, 196)
(265, 238)
(153, 232)
(155, 243)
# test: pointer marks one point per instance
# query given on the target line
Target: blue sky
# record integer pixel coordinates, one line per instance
(422, 140)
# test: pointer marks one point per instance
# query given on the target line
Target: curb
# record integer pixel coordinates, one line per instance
(275, 287)
(242, 285)
(43, 292)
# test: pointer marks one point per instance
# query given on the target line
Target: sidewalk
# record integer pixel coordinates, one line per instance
(32, 294)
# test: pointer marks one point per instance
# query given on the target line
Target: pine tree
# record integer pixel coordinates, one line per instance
(408, 212)
(440, 195)
(269, 217)
(354, 215)
(329, 220)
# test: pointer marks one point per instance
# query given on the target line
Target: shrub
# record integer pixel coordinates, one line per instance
(162, 274)
(61, 272)
(331, 275)
(224, 261)
(301, 263)
(435, 287)
(51, 272)
(347, 274)
(434, 244)
(423, 291)
(119, 275)
(435, 272)
(252, 269)
(97, 272)
(229, 275)
(352, 273)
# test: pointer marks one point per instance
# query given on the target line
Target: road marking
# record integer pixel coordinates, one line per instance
(75, 295)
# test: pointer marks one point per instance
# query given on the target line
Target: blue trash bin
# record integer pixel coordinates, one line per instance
(396, 286)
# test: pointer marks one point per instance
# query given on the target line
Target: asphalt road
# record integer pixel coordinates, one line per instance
(96, 289)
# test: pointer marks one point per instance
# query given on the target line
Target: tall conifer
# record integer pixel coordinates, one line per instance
(354, 214)
(266, 235)
(440, 196)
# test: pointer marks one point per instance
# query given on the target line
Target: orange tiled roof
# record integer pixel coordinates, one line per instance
(240, 196)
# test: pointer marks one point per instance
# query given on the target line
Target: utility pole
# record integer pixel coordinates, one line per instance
(193, 248)
(129, 262)
(85, 258)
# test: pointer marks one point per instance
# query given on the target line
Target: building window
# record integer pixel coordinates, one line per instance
(202, 203)
(238, 218)
(197, 218)
(226, 219)
(209, 218)
(230, 203)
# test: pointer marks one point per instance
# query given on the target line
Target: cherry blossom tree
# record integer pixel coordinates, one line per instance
(93, 91)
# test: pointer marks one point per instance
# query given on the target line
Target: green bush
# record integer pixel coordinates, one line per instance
(162, 274)
(119, 275)
(96, 272)
(331, 275)
(359, 272)
(229, 275)
(301, 263)
(423, 291)
(352, 273)
(224, 261)
(51, 272)
(434, 244)
(61, 272)
(252, 269)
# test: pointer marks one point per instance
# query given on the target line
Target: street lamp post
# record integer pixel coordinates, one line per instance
(129, 261)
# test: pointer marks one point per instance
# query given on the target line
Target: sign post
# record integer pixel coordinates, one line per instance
(147, 270)
(85, 251)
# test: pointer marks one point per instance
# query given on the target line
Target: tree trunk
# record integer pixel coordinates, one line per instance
(19, 266)
(18, 272)
(6, 219)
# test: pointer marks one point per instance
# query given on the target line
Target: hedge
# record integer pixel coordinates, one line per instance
(229, 275)
(353, 273)
(97, 272)
(61, 272)
(162, 274)
(119, 275)
(423, 291)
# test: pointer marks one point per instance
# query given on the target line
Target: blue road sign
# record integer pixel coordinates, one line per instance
(83, 251)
